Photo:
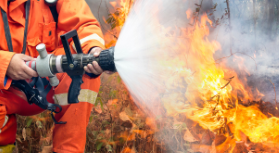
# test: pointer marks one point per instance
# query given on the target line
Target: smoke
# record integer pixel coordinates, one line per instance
(153, 33)
(252, 40)
(245, 42)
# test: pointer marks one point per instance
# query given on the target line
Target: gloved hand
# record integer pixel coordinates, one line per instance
(18, 70)
(94, 67)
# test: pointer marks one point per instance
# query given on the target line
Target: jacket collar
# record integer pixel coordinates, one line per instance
(14, 4)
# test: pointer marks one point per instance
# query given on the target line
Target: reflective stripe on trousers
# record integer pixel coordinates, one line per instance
(5, 122)
(85, 95)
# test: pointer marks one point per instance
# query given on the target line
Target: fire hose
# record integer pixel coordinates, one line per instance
(48, 65)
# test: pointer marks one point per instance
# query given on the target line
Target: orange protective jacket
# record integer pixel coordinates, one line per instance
(73, 14)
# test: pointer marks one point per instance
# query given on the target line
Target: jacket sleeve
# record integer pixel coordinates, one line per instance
(76, 14)
(5, 58)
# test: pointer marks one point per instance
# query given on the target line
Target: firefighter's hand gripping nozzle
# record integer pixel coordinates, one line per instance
(74, 64)
(47, 65)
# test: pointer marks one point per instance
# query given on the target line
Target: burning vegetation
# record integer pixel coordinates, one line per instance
(205, 105)
(222, 109)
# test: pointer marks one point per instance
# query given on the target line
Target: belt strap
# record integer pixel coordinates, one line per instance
(7, 28)
(54, 12)
(27, 10)
(42, 85)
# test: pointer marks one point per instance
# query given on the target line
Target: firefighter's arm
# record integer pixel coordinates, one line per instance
(5, 58)
(13, 67)
(76, 14)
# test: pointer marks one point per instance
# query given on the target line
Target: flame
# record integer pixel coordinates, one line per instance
(122, 11)
(216, 95)
(254, 124)
(116, 20)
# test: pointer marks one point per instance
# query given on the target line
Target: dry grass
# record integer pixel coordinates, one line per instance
(116, 125)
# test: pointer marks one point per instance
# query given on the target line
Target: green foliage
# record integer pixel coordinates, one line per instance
(113, 93)
(99, 145)
(99, 101)
(118, 79)
(90, 119)
(28, 121)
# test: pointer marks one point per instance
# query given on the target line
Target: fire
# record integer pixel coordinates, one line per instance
(116, 20)
(121, 13)
(254, 124)
(215, 94)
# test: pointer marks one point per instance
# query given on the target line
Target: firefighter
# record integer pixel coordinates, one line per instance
(25, 24)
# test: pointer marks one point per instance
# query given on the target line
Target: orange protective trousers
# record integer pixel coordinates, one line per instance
(73, 14)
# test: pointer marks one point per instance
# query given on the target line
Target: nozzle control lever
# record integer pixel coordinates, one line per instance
(47, 65)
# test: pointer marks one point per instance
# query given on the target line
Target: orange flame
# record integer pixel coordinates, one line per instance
(215, 94)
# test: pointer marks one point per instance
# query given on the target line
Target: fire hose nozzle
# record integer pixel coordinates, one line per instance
(106, 60)
(48, 65)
